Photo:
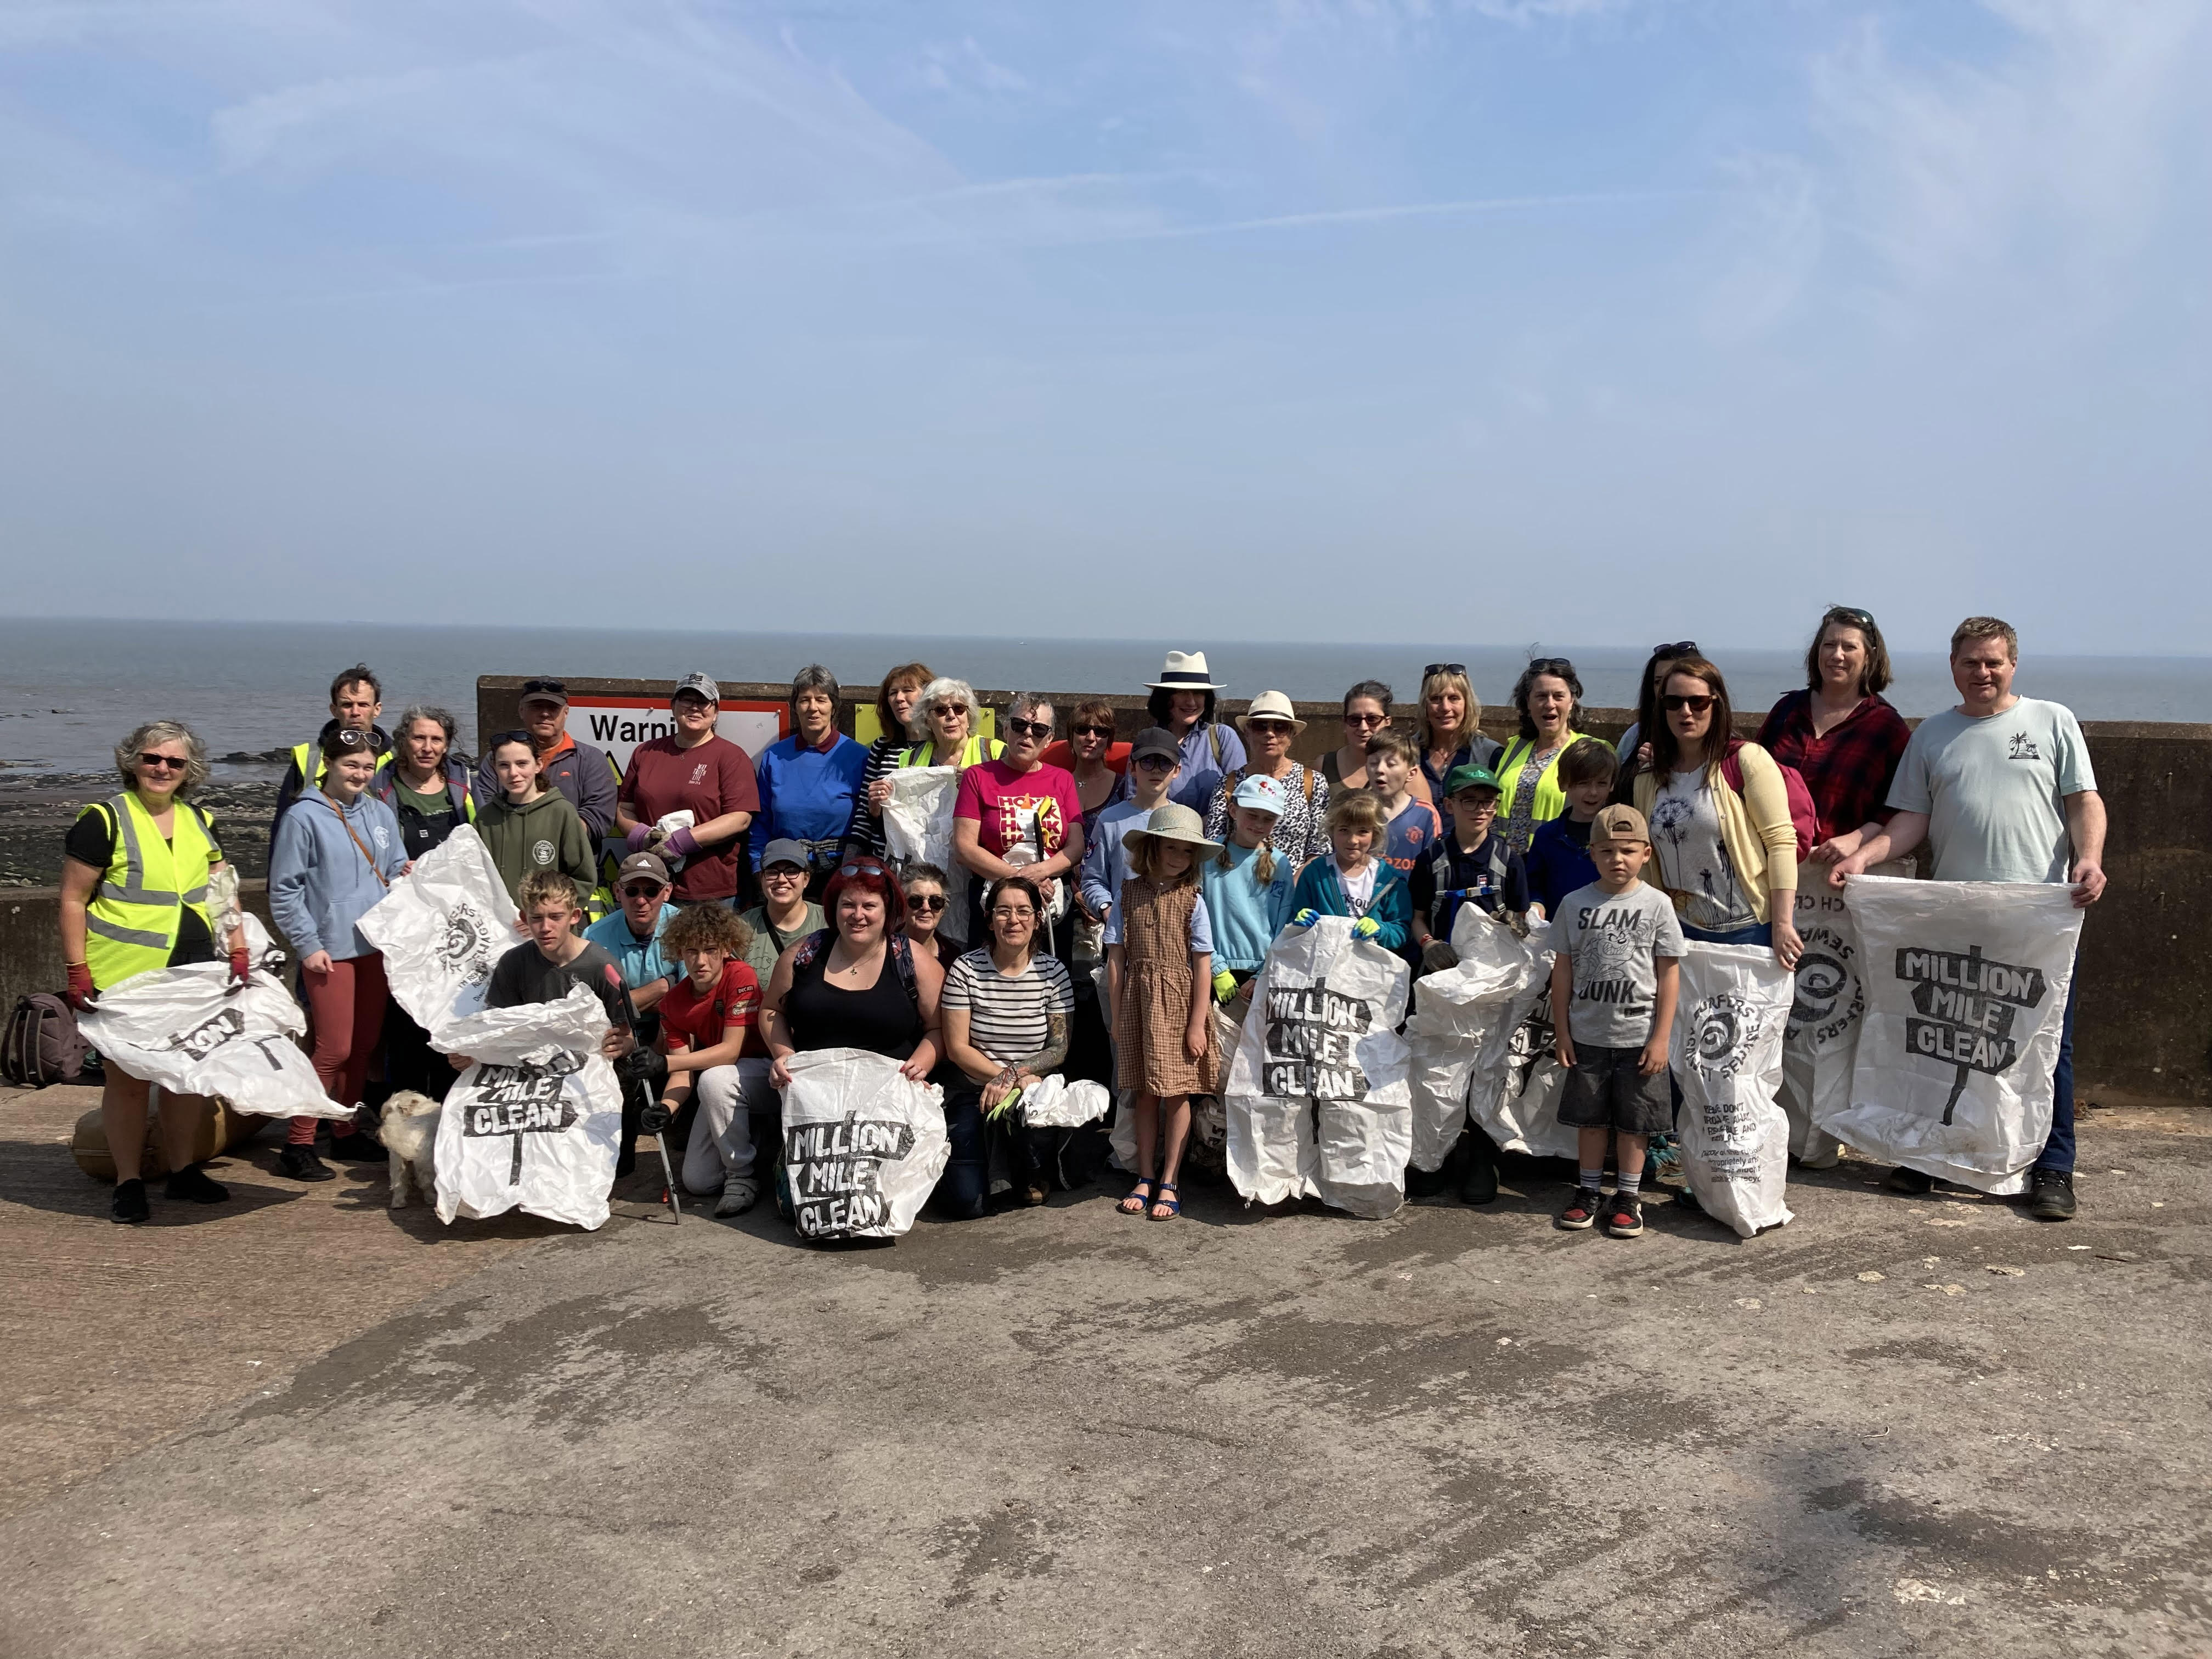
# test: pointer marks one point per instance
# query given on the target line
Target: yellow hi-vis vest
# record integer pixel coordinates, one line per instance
(139, 907)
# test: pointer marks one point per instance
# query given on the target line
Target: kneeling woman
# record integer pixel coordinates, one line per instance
(1007, 1013)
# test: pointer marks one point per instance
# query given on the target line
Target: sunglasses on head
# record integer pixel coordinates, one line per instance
(1029, 728)
(1680, 649)
(1851, 613)
(864, 868)
(643, 890)
(534, 688)
(175, 762)
(1695, 704)
(1444, 668)
(500, 738)
(1558, 665)
(928, 901)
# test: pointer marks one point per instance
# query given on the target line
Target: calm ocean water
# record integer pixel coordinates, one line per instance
(69, 690)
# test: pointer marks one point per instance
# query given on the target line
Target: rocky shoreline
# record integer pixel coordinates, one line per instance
(36, 810)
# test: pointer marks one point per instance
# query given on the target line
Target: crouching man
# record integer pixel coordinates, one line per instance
(717, 1070)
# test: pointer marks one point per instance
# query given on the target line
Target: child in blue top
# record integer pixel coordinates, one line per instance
(1352, 881)
(1411, 826)
(1248, 888)
(1558, 858)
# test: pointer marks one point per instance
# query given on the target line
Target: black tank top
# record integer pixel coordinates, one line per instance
(882, 1019)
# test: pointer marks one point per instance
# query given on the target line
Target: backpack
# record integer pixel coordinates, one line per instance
(901, 953)
(1804, 818)
(42, 1043)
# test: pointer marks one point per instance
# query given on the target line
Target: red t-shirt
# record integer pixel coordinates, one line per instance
(715, 778)
(1012, 809)
(698, 1021)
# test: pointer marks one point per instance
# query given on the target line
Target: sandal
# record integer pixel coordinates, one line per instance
(1140, 1197)
(1161, 1201)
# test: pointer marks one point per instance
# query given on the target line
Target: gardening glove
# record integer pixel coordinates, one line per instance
(1305, 918)
(1224, 986)
(638, 835)
(1437, 955)
(1366, 927)
(680, 844)
(654, 1118)
(241, 969)
(80, 993)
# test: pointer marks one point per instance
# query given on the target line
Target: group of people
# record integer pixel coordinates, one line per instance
(1117, 891)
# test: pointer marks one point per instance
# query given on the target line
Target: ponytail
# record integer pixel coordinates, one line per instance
(1263, 861)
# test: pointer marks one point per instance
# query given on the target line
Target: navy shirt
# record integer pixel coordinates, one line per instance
(1470, 880)
(1560, 861)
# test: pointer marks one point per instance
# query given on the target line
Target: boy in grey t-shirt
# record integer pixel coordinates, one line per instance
(1614, 983)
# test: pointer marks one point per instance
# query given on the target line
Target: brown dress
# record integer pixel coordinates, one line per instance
(1154, 1011)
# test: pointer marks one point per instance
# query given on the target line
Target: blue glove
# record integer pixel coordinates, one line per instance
(1305, 918)
(1366, 927)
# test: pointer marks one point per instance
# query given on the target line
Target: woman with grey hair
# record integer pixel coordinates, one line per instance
(946, 727)
(135, 898)
(424, 782)
(1018, 816)
(810, 781)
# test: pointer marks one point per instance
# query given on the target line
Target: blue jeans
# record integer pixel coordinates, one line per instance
(2057, 1153)
(1759, 933)
(963, 1191)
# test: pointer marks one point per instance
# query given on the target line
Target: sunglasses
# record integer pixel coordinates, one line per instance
(1853, 614)
(643, 890)
(533, 687)
(1094, 731)
(1558, 665)
(1156, 764)
(1366, 719)
(864, 868)
(497, 738)
(1029, 728)
(945, 711)
(1680, 649)
(174, 764)
(1676, 699)
(1444, 668)
(926, 901)
(1278, 728)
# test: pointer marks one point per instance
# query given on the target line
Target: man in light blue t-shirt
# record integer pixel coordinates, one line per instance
(2002, 789)
(632, 936)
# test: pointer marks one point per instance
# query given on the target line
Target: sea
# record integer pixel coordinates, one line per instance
(71, 689)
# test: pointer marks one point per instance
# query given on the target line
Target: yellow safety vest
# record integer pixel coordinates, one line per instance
(309, 780)
(139, 907)
(972, 753)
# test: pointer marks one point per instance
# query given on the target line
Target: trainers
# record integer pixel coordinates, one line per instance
(359, 1147)
(129, 1205)
(192, 1184)
(1582, 1209)
(1902, 1180)
(738, 1194)
(1623, 1216)
(2050, 1194)
(302, 1164)
(1481, 1185)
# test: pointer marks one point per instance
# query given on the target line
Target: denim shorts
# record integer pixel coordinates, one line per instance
(1606, 1091)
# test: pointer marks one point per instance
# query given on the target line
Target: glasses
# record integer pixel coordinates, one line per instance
(173, 762)
(643, 890)
(946, 711)
(1365, 720)
(497, 738)
(1444, 668)
(863, 867)
(1558, 665)
(785, 872)
(1094, 731)
(1851, 614)
(1680, 649)
(1676, 699)
(1029, 728)
(1268, 728)
(926, 901)
(534, 688)
(1156, 764)
(1011, 913)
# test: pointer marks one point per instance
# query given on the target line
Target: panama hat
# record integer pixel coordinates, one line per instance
(1185, 671)
(1173, 823)
(1269, 706)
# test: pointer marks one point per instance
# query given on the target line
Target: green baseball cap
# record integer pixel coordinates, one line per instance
(1471, 777)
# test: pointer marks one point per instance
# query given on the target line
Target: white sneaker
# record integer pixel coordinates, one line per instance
(739, 1193)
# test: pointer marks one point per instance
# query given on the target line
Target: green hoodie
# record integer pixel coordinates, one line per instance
(546, 835)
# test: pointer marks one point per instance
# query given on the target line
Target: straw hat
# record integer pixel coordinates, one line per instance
(1173, 823)
(1270, 706)
(1185, 671)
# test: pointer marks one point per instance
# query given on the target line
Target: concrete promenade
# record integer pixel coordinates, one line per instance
(301, 1424)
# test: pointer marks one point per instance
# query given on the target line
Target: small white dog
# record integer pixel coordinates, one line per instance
(410, 1133)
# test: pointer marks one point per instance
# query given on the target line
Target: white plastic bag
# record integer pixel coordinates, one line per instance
(1729, 1020)
(1054, 1103)
(1318, 1096)
(918, 825)
(536, 1123)
(442, 929)
(1460, 1035)
(1824, 1018)
(863, 1146)
(1965, 984)
(181, 1030)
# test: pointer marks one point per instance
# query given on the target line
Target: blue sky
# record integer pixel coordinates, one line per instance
(1488, 319)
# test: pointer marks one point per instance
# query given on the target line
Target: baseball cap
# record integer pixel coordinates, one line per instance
(642, 866)
(700, 686)
(1259, 792)
(1470, 777)
(543, 690)
(783, 850)
(1158, 741)
(1619, 823)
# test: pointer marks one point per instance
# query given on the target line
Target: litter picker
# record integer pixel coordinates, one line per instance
(659, 1138)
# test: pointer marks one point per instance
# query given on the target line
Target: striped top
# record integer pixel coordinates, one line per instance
(1009, 1016)
(867, 828)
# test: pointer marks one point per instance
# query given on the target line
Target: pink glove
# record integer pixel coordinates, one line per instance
(241, 968)
(80, 993)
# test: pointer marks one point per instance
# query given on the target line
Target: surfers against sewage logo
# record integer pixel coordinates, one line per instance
(465, 944)
(1310, 1034)
(1723, 1029)
(835, 1171)
(1968, 1005)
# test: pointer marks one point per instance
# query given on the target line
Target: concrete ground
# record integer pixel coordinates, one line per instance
(1896, 1426)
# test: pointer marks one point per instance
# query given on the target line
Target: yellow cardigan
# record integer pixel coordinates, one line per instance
(1755, 827)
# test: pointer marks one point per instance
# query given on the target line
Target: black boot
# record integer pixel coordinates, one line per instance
(129, 1205)
(1479, 1185)
(2050, 1194)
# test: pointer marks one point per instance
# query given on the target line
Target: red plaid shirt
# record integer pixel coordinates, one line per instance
(1849, 772)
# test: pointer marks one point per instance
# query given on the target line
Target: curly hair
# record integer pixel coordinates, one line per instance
(1557, 668)
(196, 755)
(705, 927)
(943, 689)
(543, 887)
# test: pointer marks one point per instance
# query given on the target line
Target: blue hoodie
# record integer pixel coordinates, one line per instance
(320, 885)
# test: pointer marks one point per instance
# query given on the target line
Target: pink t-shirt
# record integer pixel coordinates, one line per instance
(1013, 808)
